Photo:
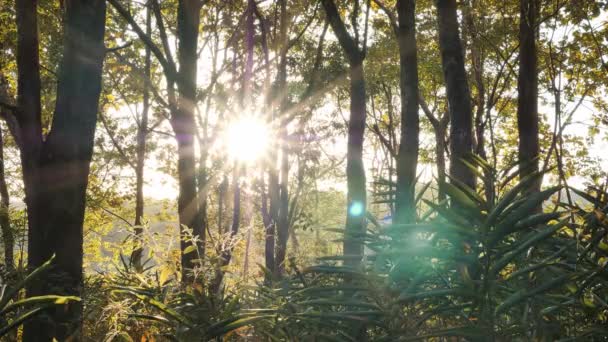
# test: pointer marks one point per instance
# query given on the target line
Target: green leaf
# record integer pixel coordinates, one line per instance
(189, 249)
(522, 295)
(39, 300)
(459, 292)
(10, 293)
(18, 321)
(508, 198)
(533, 239)
(226, 326)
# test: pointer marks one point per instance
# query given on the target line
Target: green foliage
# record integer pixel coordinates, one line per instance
(14, 310)
(476, 270)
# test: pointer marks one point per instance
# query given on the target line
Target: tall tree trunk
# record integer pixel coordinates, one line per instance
(184, 126)
(58, 166)
(407, 160)
(5, 222)
(527, 88)
(477, 63)
(142, 134)
(283, 222)
(459, 96)
(355, 172)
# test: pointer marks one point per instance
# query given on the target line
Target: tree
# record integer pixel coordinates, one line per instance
(142, 135)
(457, 88)
(527, 90)
(56, 165)
(407, 161)
(355, 171)
(182, 105)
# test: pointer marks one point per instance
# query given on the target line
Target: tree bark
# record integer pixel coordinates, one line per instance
(184, 126)
(5, 222)
(527, 88)
(458, 93)
(283, 219)
(355, 172)
(58, 166)
(142, 134)
(407, 161)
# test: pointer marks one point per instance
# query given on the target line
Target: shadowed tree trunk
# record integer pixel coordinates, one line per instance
(459, 96)
(355, 172)
(184, 126)
(57, 167)
(182, 109)
(283, 222)
(5, 222)
(527, 88)
(407, 160)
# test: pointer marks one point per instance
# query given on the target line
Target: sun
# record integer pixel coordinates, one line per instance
(248, 139)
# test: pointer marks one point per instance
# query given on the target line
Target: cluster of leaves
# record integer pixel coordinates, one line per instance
(14, 310)
(471, 268)
(477, 269)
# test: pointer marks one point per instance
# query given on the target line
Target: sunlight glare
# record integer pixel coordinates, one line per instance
(247, 139)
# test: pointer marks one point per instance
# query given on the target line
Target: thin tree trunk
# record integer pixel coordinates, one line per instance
(440, 149)
(283, 222)
(459, 96)
(355, 171)
(407, 160)
(477, 62)
(58, 167)
(184, 126)
(142, 134)
(5, 222)
(527, 88)
(226, 253)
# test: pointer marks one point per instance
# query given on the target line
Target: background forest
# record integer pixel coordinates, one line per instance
(303, 170)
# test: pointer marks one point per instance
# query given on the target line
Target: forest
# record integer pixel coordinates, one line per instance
(303, 170)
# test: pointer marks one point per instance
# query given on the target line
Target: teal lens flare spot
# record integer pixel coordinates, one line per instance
(356, 209)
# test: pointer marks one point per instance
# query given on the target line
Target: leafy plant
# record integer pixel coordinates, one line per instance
(15, 311)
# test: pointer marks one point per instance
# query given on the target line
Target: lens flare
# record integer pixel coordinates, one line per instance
(247, 139)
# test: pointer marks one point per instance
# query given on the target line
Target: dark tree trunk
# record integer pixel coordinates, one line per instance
(5, 222)
(355, 172)
(407, 160)
(527, 88)
(459, 96)
(184, 126)
(58, 167)
(283, 220)
(440, 149)
(142, 134)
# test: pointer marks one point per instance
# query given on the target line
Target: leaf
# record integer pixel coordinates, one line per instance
(461, 292)
(189, 249)
(522, 295)
(38, 300)
(18, 321)
(474, 333)
(458, 196)
(523, 246)
(223, 327)
(508, 198)
(8, 295)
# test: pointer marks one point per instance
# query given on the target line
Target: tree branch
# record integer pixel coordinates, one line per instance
(168, 67)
